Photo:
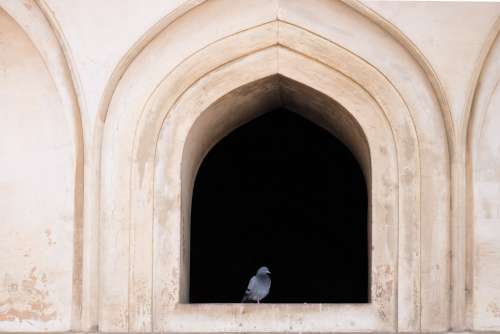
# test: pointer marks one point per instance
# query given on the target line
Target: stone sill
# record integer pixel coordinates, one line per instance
(364, 332)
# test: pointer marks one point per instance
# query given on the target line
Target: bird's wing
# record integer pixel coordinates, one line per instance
(251, 284)
(250, 287)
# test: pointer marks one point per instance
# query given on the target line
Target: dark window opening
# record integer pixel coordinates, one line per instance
(284, 193)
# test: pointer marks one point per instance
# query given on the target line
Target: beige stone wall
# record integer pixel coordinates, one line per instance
(108, 107)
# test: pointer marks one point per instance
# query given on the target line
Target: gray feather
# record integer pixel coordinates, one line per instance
(259, 286)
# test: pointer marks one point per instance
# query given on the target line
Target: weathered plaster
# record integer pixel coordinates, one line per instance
(37, 189)
(93, 94)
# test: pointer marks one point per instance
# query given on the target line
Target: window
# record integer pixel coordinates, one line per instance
(283, 192)
(191, 133)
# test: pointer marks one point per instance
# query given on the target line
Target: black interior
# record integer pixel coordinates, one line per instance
(282, 192)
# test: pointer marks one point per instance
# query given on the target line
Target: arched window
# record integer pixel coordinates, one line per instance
(283, 192)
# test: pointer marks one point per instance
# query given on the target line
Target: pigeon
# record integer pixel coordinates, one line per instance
(258, 287)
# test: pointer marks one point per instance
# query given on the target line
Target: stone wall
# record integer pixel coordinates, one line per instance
(108, 108)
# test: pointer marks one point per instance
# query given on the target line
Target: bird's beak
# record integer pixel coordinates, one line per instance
(268, 272)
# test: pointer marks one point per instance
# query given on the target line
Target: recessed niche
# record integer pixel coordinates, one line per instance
(283, 192)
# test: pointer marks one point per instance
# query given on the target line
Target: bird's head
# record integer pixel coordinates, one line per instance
(263, 271)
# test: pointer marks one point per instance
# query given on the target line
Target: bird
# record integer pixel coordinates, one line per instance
(258, 287)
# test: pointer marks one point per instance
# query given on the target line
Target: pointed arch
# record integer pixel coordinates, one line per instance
(193, 113)
(482, 186)
(168, 68)
(55, 80)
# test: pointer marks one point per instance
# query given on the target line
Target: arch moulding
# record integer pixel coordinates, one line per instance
(483, 184)
(174, 101)
(32, 18)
